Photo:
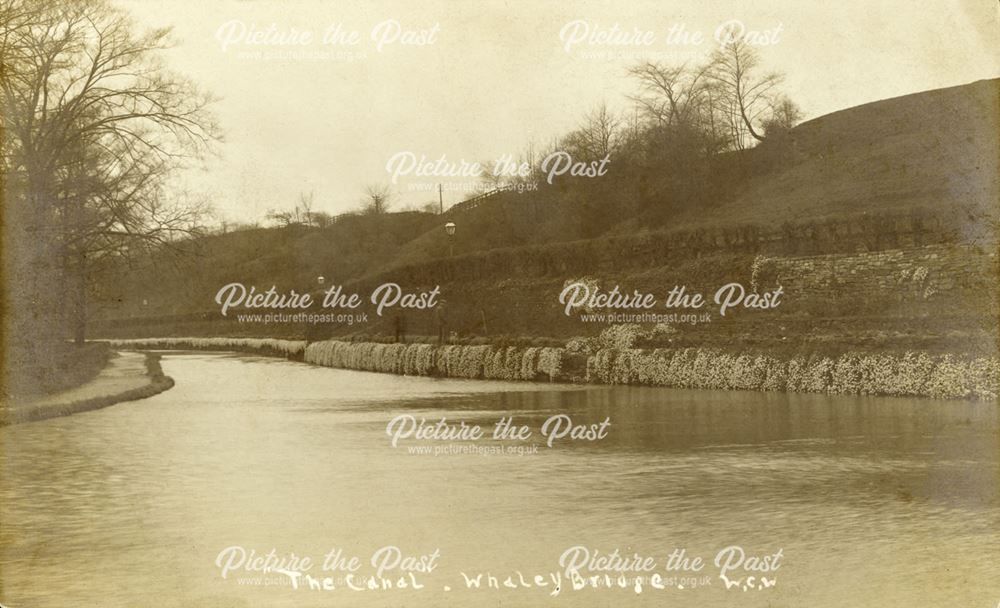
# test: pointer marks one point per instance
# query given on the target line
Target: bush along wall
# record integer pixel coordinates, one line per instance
(906, 374)
(452, 361)
(892, 374)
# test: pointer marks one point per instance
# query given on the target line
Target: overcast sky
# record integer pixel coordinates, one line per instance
(493, 76)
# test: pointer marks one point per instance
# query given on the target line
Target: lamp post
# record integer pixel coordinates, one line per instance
(449, 229)
(320, 280)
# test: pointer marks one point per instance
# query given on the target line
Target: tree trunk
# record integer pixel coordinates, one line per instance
(80, 328)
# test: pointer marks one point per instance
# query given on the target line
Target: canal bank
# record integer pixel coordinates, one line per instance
(126, 377)
(905, 374)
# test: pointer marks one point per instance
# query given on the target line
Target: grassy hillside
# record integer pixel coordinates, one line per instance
(909, 173)
(934, 150)
(186, 277)
(929, 152)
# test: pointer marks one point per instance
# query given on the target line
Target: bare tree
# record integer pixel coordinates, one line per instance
(93, 126)
(598, 136)
(322, 219)
(281, 218)
(785, 114)
(377, 199)
(301, 214)
(748, 92)
(672, 96)
(305, 207)
(509, 170)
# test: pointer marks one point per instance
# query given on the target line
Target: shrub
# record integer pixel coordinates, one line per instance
(907, 374)
(452, 360)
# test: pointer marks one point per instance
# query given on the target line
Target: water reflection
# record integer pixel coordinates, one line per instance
(874, 501)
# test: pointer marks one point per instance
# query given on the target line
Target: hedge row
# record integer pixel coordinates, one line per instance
(453, 361)
(908, 374)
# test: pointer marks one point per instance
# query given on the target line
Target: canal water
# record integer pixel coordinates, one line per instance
(857, 501)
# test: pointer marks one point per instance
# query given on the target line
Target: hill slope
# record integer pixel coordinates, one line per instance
(932, 152)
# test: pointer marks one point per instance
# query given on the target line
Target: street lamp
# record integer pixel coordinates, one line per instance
(320, 280)
(449, 229)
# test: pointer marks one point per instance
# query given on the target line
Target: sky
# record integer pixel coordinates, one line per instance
(475, 81)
